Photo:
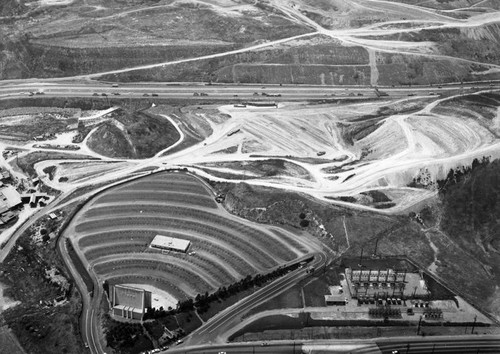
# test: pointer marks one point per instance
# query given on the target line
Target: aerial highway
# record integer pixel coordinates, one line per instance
(202, 91)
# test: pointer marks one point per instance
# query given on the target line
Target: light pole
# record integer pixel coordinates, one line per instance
(473, 325)
(419, 322)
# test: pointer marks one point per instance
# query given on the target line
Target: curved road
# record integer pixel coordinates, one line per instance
(405, 345)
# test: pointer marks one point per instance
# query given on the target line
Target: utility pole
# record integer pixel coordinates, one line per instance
(408, 348)
(419, 322)
(433, 347)
(361, 257)
(473, 325)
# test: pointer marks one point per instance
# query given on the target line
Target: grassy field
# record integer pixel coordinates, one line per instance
(292, 298)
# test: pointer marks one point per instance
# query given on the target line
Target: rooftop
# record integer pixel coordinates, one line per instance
(167, 242)
(9, 197)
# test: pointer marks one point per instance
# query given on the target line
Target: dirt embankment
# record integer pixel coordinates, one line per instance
(305, 63)
(133, 135)
(481, 43)
(25, 58)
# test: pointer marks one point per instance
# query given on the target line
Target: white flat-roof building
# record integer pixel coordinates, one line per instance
(129, 302)
(170, 243)
(9, 199)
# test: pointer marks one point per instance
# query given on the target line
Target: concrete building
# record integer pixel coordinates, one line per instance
(335, 300)
(170, 243)
(129, 302)
(9, 199)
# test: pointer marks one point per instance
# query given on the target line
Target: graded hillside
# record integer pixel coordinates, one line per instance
(114, 230)
(340, 42)
(475, 43)
(317, 59)
(453, 4)
(133, 135)
(94, 36)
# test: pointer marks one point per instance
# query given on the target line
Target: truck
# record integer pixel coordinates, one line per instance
(379, 93)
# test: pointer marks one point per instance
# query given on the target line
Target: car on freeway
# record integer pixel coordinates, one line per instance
(103, 94)
(95, 94)
(154, 94)
(145, 95)
(116, 93)
(180, 341)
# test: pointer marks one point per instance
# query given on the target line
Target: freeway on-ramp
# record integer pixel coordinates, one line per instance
(470, 344)
(216, 329)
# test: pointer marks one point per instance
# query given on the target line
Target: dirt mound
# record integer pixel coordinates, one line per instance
(133, 135)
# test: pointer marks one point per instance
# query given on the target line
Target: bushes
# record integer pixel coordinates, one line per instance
(304, 223)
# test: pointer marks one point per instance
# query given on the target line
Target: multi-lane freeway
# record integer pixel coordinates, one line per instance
(200, 91)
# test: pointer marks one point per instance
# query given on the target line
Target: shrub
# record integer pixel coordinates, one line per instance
(304, 223)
